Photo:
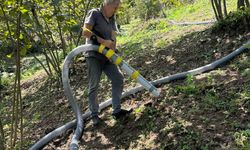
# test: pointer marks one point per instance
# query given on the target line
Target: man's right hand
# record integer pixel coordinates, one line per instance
(107, 43)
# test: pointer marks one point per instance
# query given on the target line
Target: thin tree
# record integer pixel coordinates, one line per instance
(57, 9)
(13, 132)
(51, 56)
(81, 24)
(2, 137)
(219, 8)
(247, 3)
(225, 7)
(17, 112)
(161, 7)
(220, 13)
(241, 4)
(215, 10)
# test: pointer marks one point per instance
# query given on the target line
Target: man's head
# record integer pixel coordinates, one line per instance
(110, 7)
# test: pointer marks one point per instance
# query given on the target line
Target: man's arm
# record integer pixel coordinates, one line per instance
(85, 32)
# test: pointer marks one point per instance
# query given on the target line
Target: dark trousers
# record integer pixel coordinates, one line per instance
(95, 69)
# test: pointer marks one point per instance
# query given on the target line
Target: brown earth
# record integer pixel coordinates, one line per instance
(203, 112)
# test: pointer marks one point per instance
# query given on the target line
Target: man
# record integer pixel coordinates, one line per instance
(101, 29)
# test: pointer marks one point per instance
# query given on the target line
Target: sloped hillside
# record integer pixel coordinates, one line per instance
(208, 111)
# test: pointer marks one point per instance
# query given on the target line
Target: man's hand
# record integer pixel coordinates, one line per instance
(110, 44)
(107, 43)
(88, 33)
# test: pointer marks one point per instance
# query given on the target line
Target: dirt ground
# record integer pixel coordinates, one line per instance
(202, 112)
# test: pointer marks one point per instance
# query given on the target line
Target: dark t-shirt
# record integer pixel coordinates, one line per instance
(101, 27)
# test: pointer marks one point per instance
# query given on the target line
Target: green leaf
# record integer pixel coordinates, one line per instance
(6, 33)
(21, 36)
(23, 10)
(65, 28)
(23, 51)
(71, 22)
(9, 55)
(48, 17)
(247, 45)
(9, 2)
(28, 25)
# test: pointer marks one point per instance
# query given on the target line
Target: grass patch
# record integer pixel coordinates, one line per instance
(242, 138)
(198, 11)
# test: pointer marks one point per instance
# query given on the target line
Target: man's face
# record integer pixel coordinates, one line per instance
(112, 8)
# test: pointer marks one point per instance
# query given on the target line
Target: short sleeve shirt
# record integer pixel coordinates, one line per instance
(101, 27)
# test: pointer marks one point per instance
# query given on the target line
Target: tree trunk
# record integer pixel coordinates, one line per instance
(57, 9)
(26, 33)
(53, 41)
(62, 40)
(219, 9)
(2, 137)
(215, 10)
(7, 24)
(81, 24)
(240, 4)
(247, 3)
(17, 113)
(161, 7)
(52, 60)
(40, 62)
(12, 142)
(18, 67)
(225, 7)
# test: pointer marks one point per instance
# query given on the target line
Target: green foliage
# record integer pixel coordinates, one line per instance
(45, 27)
(160, 43)
(162, 25)
(6, 80)
(189, 87)
(246, 72)
(242, 138)
(36, 117)
(143, 36)
(247, 46)
(137, 38)
(212, 100)
(125, 13)
(147, 9)
(181, 11)
(139, 110)
(238, 21)
(151, 111)
(31, 71)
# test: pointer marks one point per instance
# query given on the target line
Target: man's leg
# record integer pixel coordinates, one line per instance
(116, 78)
(94, 74)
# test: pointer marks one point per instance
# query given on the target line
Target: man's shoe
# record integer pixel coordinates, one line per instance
(122, 113)
(96, 120)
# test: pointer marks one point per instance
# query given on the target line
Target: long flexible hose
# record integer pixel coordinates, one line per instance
(190, 23)
(68, 92)
(59, 131)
